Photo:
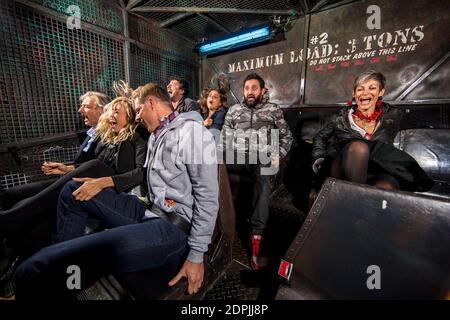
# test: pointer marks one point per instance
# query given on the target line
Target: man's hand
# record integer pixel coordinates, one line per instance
(91, 187)
(194, 272)
(317, 164)
(276, 161)
(56, 168)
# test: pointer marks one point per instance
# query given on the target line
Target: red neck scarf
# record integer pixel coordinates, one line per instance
(374, 117)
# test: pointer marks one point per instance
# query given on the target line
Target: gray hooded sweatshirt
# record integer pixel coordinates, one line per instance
(182, 166)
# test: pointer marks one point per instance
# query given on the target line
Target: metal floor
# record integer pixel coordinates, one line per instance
(232, 286)
(242, 283)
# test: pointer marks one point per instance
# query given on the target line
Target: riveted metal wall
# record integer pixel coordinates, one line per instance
(325, 51)
(45, 67)
(344, 42)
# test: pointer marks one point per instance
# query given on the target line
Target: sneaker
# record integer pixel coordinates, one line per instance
(256, 244)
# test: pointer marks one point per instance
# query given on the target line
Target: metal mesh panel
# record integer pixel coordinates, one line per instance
(237, 22)
(105, 14)
(28, 169)
(259, 4)
(45, 67)
(142, 31)
(197, 28)
(147, 66)
(157, 16)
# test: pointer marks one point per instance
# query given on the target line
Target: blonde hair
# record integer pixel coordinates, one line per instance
(122, 89)
(104, 130)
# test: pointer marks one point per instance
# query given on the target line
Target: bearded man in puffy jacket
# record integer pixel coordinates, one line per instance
(254, 137)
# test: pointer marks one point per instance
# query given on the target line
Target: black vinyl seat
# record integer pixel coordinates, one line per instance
(430, 148)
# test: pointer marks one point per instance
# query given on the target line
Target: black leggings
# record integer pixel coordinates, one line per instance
(40, 208)
(352, 165)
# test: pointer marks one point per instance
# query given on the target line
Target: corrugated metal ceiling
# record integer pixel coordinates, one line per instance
(200, 20)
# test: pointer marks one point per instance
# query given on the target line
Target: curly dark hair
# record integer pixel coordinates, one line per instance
(204, 96)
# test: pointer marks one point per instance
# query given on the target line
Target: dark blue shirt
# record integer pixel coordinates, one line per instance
(217, 118)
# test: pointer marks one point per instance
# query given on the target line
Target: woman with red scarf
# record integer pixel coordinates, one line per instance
(362, 136)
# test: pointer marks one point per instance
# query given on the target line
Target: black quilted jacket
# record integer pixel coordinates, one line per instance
(339, 130)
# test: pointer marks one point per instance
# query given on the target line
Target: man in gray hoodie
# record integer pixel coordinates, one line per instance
(177, 217)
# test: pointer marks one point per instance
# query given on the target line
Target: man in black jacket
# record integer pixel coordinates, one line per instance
(178, 90)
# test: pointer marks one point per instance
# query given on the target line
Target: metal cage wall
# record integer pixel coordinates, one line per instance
(45, 67)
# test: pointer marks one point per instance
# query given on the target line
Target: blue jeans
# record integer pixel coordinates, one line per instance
(131, 244)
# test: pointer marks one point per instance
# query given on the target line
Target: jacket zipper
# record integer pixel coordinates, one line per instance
(251, 128)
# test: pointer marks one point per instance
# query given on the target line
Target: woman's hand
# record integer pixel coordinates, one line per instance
(56, 168)
(208, 122)
(91, 187)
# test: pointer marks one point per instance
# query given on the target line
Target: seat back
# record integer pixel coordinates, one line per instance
(356, 235)
(431, 150)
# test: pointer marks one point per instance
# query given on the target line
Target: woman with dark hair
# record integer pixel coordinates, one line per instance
(214, 108)
(362, 136)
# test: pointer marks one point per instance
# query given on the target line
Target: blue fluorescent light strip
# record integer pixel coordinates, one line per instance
(236, 39)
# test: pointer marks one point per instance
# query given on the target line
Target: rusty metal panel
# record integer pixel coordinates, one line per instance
(406, 48)
(405, 235)
(435, 86)
(277, 62)
(410, 40)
